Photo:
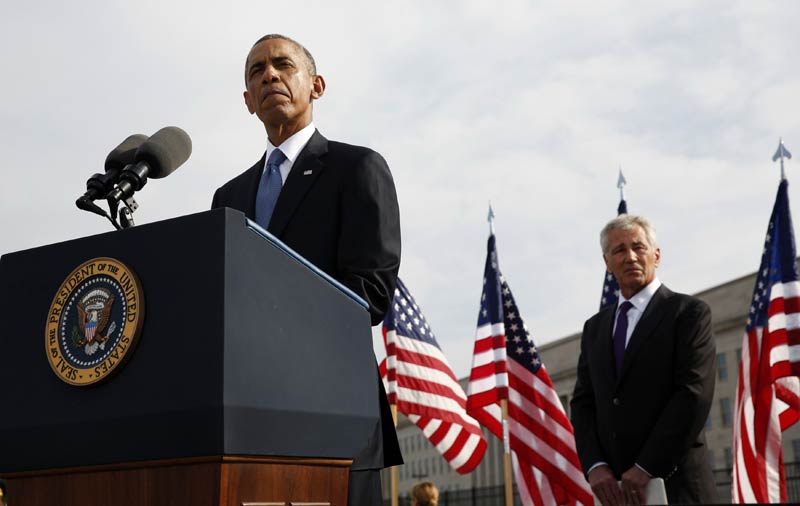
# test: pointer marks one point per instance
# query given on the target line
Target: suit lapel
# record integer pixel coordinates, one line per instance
(304, 173)
(606, 344)
(647, 324)
(253, 178)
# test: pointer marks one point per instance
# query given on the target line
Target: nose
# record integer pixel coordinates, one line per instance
(631, 255)
(270, 74)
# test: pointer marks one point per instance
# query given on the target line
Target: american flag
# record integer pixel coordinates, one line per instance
(610, 294)
(421, 383)
(506, 365)
(768, 392)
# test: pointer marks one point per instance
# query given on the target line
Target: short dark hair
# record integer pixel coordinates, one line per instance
(312, 65)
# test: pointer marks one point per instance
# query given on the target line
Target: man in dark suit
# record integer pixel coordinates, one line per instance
(645, 380)
(333, 203)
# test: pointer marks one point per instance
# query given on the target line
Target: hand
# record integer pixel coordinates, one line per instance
(605, 487)
(634, 481)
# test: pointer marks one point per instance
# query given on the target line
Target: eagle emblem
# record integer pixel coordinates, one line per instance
(94, 311)
(94, 322)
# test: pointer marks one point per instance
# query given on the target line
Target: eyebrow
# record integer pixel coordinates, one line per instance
(633, 244)
(275, 61)
(282, 59)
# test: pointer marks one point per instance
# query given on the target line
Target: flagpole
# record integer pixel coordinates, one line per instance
(509, 486)
(394, 471)
(780, 151)
(507, 471)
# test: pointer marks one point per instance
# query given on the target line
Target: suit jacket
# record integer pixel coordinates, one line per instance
(338, 208)
(653, 412)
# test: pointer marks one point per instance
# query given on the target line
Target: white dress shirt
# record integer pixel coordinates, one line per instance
(640, 301)
(291, 147)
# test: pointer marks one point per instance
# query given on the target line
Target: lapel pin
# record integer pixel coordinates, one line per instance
(307, 173)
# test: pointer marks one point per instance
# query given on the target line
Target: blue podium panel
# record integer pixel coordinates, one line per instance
(244, 350)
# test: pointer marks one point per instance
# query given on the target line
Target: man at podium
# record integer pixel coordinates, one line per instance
(333, 203)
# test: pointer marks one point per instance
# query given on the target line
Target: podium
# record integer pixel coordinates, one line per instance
(253, 381)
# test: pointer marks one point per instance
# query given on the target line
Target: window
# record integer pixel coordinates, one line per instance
(725, 411)
(796, 449)
(722, 367)
(738, 356)
(728, 458)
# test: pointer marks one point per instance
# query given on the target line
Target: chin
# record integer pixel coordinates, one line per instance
(634, 285)
(273, 117)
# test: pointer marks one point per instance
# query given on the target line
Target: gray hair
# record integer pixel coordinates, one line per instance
(628, 222)
(312, 65)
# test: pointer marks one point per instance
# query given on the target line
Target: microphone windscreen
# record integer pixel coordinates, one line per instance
(165, 151)
(124, 154)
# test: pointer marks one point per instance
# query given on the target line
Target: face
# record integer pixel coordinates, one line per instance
(280, 87)
(631, 259)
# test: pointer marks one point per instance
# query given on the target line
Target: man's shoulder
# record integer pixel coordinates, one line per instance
(350, 152)
(242, 179)
(355, 163)
(232, 193)
(605, 313)
(684, 301)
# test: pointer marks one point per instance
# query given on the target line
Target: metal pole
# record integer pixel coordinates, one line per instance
(507, 455)
(394, 471)
(780, 149)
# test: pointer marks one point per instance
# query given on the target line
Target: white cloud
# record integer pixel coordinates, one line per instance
(532, 105)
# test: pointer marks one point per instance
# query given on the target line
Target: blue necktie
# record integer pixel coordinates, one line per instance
(269, 188)
(621, 333)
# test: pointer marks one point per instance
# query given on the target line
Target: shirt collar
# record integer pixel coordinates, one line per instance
(642, 298)
(292, 146)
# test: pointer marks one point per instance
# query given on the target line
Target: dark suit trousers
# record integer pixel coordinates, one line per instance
(364, 488)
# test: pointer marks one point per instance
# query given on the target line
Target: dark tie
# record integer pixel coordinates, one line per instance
(620, 333)
(269, 188)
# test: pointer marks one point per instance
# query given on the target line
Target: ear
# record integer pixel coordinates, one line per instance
(658, 256)
(249, 103)
(605, 259)
(317, 87)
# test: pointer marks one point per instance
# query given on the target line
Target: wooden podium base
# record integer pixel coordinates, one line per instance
(202, 481)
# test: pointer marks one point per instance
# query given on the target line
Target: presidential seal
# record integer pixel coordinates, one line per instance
(94, 321)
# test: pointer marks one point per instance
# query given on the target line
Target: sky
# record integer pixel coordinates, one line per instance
(530, 105)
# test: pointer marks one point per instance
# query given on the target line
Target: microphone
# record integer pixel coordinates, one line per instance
(157, 157)
(99, 185)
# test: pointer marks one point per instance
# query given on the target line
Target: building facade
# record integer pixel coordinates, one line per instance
(729, 304)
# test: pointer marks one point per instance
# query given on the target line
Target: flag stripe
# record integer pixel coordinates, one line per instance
(410, 379)
(492, 339)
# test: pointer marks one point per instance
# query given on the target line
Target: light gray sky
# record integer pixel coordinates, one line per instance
(532, 105)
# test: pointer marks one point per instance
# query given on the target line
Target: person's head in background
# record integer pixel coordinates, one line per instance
(424, 494)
